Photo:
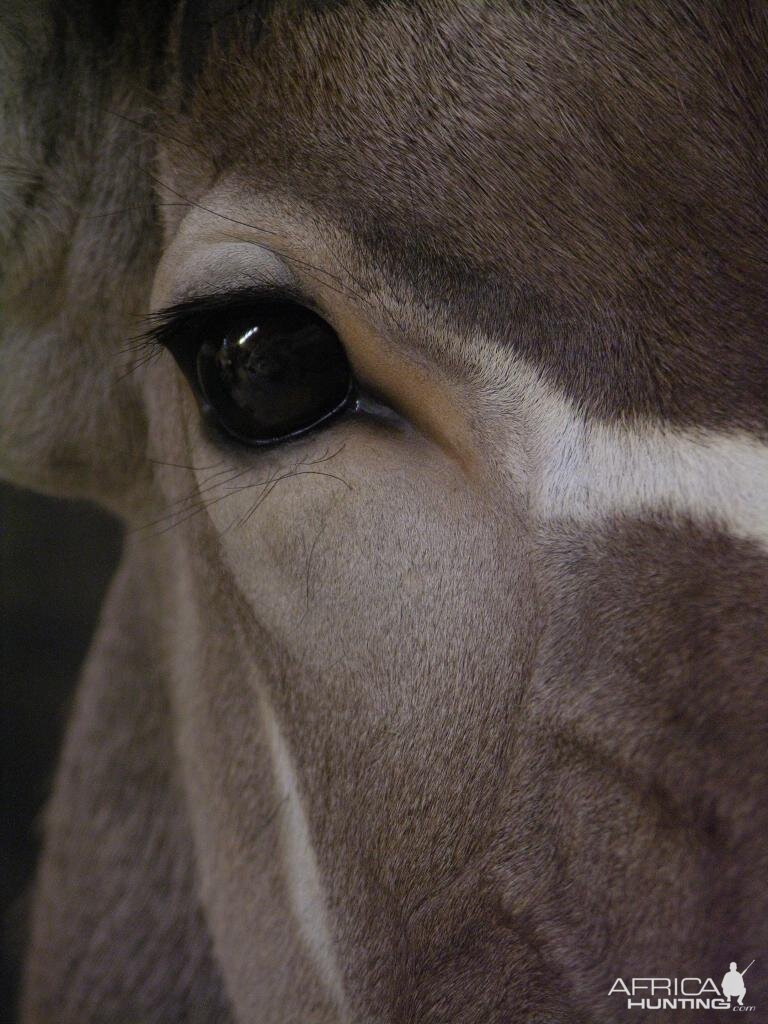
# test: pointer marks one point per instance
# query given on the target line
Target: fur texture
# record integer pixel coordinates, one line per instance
(457, 715)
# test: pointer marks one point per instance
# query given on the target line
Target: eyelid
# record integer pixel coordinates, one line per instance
(208, 263)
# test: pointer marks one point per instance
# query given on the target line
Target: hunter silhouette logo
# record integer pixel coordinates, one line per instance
(733, 983)
(690, 993)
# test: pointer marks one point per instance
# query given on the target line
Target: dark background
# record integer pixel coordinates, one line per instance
(56, 559)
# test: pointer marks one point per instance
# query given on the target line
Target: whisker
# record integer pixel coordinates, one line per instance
(195, 497)
(326, 458)
(266, 493)
(186, 514)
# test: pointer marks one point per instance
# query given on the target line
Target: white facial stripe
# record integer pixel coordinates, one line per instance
(302, 874)
(588, 470)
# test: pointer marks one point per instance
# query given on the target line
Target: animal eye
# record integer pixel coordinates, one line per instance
(266, 373)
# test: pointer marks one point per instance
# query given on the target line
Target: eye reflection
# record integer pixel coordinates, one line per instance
(274, 373)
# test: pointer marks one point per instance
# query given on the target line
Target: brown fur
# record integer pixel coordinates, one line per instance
(529, 747)
(601, 164)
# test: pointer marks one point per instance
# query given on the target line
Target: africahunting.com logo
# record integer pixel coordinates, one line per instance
(685, 993)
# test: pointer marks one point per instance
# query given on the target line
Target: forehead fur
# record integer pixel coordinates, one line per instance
(598, 163)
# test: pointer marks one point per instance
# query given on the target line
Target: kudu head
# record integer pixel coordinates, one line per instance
(456, 689)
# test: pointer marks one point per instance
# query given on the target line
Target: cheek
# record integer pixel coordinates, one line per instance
(361, 542)
(363, 545)
(384, 616)
(403, 609)
(322, 535)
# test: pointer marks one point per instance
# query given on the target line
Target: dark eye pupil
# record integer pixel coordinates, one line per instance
(275, 373)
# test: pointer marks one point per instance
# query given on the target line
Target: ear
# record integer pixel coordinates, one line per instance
(79, 237)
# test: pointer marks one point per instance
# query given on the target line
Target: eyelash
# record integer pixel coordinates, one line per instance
(167, 325)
